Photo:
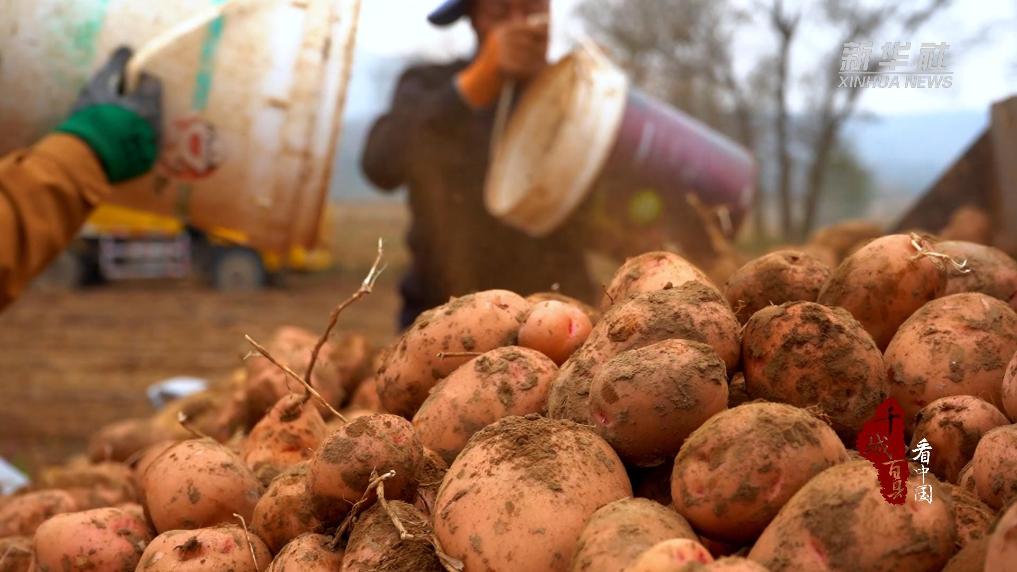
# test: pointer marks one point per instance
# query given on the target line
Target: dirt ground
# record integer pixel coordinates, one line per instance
(73, 361)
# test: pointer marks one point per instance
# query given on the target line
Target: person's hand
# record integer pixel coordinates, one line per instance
(123, 129)
(515, 50)
(521, 47)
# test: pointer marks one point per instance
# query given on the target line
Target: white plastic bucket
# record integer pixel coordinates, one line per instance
(252, 102)
(580, 121)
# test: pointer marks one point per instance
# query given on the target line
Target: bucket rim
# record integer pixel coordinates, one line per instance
(575, 108)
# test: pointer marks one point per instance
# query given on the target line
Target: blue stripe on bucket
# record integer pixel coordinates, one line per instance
(203, 81)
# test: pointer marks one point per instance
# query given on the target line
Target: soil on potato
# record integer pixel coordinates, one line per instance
(74, 361)
(376, 535)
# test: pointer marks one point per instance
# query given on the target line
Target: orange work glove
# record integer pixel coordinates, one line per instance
(516, 49)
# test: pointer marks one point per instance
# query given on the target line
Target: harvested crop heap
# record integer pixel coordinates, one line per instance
(679, 427)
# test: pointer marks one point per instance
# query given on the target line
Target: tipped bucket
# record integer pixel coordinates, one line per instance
(556, 143)
(252, 102)
(579, 122)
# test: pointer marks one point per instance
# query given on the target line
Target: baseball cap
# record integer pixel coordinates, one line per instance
(448, 12)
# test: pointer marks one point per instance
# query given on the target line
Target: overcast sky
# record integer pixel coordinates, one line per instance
(984, 71)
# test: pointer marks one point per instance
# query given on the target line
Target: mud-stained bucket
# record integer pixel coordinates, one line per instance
(580, 122)
(252, 102)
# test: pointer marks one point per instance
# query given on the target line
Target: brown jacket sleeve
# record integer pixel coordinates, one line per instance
(46, 193)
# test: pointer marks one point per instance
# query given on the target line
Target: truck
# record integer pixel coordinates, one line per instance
(119, 243)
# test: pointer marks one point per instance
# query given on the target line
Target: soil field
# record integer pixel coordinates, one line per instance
(73, 361)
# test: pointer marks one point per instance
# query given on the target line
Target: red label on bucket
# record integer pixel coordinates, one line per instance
(192, 150)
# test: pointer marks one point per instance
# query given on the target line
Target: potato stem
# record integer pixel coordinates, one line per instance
(307, 386)
(247, 534)
(366, 287)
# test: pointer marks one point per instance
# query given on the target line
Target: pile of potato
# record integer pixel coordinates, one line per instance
(679, 427)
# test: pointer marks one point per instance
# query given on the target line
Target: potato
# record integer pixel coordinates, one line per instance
(775, 278)
(971, 558)
(993, 272)
(284, 511)
(198, 483)
(288, 434)
(430, 474)
(308, 553)
(510, 380)
(726, 564)
(821, 253)
(693, 311)
(519, 494)
(145, 458)
(15, 554)
(840, 521)
(223, 548)
(23, 513)
(92, 486)
(620, 531)
(650, 272)
(844, 238)
(884, 282)
(972, 518)
(217, 413)
(994, 466)
(592, 313)
(365, 396)
(100, 539)
(476, 322)
(957, 345)
(351, 357)
(645, 402)
(555, 329)
(121, 440)
(737, 470)
(1001, 549)
(953, 425)
(968, 223)
(806, 354)
(671, 556)
(375, 545)
(341, 467)
(1008, 390)
(266, 383)
(966, 479)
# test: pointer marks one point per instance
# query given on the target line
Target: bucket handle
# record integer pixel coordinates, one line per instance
(171, 36)
(508, 93)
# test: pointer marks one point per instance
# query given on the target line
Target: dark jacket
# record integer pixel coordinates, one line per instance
(433, 143)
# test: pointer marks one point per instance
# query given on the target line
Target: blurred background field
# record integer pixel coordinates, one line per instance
(73, 361)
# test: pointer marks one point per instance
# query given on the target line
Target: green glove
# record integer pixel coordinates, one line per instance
(122, 129)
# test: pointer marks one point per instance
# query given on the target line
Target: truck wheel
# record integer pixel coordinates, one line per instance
(66, 272)
(237, 269)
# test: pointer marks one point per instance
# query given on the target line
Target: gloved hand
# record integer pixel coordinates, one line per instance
(515, 50)
(123, 129)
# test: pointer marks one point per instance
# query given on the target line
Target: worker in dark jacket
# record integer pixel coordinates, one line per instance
(48, 190)
(435, 141)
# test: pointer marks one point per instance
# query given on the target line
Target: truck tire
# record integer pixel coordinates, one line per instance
(76, 267)
(66, 272)
(236, 269)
